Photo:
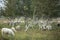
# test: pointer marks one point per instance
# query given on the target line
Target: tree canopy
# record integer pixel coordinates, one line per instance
(32, 8)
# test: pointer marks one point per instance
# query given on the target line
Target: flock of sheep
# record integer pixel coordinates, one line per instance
(11, 31)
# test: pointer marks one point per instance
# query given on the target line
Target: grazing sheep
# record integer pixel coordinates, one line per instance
(8, 31)
(49, 27)
(44, 27)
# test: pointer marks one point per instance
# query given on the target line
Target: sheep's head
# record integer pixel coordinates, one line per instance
(13, 29)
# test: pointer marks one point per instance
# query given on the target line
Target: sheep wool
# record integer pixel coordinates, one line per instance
(7, 31)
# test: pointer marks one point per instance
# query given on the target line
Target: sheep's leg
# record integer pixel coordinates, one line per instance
(2, 33)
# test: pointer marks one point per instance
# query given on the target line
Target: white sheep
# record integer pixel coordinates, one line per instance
(42, 24)
(8, 31)
(49, 27)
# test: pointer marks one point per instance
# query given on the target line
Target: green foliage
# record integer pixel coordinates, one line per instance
(30, 8)
(4, 25)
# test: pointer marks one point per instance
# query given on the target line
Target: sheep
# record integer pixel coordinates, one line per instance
(8, 31)
(49, 27)
(30, 24)
(42, 24)
(43, 27)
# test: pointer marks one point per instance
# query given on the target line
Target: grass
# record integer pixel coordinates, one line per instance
(35, 34)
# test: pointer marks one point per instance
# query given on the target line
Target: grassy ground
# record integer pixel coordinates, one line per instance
(35, 34)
